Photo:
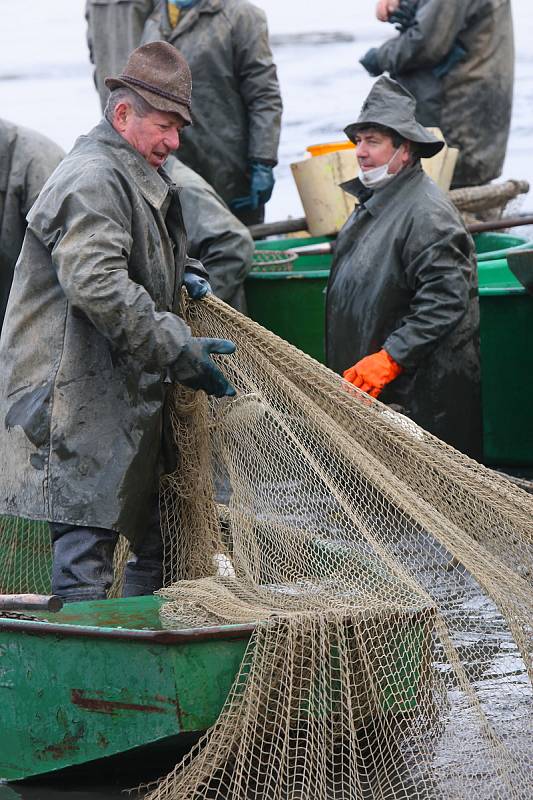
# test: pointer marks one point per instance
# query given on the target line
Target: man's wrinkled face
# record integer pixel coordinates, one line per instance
(154, 136)
(374, 149)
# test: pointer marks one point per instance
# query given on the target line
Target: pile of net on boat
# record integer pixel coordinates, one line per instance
(389, 577)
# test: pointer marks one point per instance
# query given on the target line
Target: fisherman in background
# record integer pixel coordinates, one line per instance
(236, 107)
(114, 30)
(402, 312)
(27, 159)
(457, 58)
(214, 235)
(93, 340)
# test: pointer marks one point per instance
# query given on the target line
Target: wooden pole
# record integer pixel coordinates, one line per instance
(30, 602)
(300, 224)
(278, 228)
(498, 224)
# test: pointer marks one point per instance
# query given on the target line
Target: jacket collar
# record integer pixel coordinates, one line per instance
(148, 180)
(189, 19)
(375, 201)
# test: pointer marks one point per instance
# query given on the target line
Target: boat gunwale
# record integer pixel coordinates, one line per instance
(171, 636)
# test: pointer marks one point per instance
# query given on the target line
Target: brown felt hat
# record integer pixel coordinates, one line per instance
(160, 75)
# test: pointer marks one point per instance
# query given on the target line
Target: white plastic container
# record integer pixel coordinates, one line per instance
(327, 206)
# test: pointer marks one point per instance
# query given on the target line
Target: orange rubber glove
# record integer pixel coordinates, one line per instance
(373, 373)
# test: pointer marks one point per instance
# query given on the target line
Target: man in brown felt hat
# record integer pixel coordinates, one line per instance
(92, 338)
(402, 315)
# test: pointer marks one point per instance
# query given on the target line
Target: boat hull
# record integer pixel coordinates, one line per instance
(73, 690)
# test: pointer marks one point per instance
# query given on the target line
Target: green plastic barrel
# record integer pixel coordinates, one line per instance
(506, 366)
(291, 303)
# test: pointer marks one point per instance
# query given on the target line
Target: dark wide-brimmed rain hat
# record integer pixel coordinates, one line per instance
(391, 105)
(159, 74)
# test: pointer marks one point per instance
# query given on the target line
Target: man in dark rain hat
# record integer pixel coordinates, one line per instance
(402, 318)
(93, 340)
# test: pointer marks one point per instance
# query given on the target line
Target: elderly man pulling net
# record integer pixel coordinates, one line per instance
(402, 318)
(93, 339)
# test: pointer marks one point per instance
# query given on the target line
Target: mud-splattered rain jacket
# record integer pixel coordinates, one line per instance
(89, 333)
(404, 279)
(472, 103)
(27, 159)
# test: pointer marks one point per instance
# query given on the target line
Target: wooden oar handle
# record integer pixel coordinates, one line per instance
(499, 224)
(30, 602)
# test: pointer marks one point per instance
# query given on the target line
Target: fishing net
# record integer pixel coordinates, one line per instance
(273, 260)
(388, 579)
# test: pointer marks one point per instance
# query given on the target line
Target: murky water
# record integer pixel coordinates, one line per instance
(45, 83)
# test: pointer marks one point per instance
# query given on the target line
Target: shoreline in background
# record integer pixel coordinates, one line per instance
(46, 81)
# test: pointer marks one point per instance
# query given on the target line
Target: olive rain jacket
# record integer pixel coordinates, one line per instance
(404, 278)
(114, 29)
(214, 235)
(89, 336)
(236, 102)
(27, 159)
(472, 103)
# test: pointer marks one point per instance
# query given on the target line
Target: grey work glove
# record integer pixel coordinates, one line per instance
(370, 62)
(197, 287)
(195, 369)
(405, 15)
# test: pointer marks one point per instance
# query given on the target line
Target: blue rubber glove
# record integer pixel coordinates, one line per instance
(196, 286)
(261, 185)
(195, 369)
(371, 63)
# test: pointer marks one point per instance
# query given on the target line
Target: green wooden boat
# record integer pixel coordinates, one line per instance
(100, 678)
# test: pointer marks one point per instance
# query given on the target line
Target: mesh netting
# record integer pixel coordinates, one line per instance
(388, 577)
(273, 260)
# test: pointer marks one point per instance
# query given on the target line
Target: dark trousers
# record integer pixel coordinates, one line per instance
(82, 567)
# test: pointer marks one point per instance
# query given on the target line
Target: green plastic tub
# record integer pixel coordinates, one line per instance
(492, 246)
(291, 303)
(506, 366)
